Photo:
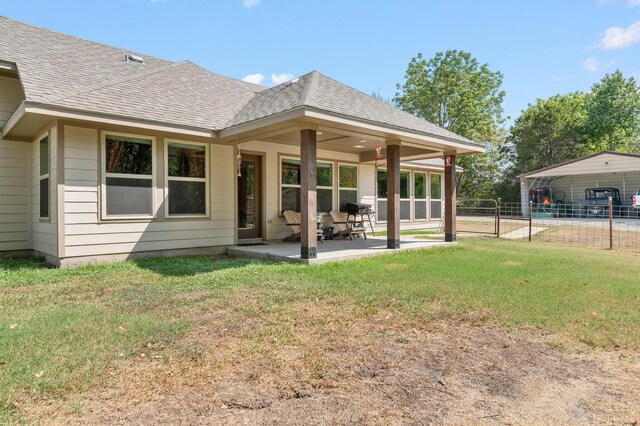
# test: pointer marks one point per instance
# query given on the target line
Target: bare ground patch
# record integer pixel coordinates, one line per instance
(323, 363)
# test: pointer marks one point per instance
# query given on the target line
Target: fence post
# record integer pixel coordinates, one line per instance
(530, 218)
(610, 223)
(498, 212)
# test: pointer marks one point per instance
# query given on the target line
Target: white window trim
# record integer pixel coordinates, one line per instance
(282, 185)
(416, 199)
(343, 188)
(45, 176)
(103, 177)
(167, 178)
(401, 199)
(431, 199)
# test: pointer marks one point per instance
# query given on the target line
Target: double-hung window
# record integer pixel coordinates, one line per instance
(290, 176)
(44, 178)
(324, 187)
(420, 196)
(436, 195)
(128, 184)
(186, 179)
(347, 185)
(405, 201)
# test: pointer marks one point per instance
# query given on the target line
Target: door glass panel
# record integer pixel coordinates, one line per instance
(247, 195)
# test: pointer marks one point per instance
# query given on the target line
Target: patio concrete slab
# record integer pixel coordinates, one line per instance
(331, 250)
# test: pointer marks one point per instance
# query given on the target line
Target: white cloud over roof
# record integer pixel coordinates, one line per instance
(620, 37)
(254, 78)
(281, 78)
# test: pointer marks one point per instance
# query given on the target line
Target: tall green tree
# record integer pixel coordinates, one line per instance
(613, 114)
(453, 90)
(549, 132)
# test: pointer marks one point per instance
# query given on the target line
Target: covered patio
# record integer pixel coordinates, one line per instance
(304, 115)
(332, 250)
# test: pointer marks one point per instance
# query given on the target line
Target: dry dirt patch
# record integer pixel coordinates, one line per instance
(318, 363)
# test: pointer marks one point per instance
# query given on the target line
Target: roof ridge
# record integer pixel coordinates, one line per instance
(308, 91)
(232, 79)
(122, 80)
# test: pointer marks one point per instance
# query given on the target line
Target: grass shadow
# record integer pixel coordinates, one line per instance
(26, 263)
(190, 266)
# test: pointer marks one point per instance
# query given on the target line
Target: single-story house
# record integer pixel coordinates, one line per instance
(107, 154)
(569, 180)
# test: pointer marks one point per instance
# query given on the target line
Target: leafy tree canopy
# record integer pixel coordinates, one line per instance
(613, 114)
(549, 132)
(455, 91)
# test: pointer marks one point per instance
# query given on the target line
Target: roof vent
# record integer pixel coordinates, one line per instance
(133, 58)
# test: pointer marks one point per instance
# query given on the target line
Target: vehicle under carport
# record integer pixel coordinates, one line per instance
(572, 178)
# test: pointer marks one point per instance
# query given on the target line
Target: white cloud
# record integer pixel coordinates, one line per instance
(281, 78)
(592, 64)
(630, 3)
(254, 78)
(620, 38)
(248, 4)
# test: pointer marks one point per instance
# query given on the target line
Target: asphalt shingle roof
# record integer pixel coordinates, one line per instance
(65, 71)
(324, 93)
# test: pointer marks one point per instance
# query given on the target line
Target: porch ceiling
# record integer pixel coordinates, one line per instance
(363, 145)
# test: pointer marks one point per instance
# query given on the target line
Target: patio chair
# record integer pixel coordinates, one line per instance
(293, 220)
(347, 228)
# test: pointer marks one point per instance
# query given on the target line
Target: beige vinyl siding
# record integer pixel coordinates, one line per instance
(275, 224)
(14, 195)
(10, 97)
(86, 235)
(44, 232)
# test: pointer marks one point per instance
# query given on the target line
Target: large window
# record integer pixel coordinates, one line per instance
(420, 196)
(44, 178)
(405, 202)
(186, 179)
(436, 196)
(347, 185)
(290, 185)
(325, 187)
(128, 176)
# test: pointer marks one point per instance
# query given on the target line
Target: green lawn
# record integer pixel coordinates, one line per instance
(60, 329)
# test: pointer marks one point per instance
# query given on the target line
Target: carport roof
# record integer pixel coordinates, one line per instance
(601, 162)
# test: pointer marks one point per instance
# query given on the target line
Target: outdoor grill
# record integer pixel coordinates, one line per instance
(360, 209)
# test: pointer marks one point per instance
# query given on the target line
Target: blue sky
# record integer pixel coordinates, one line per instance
(542, 47)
